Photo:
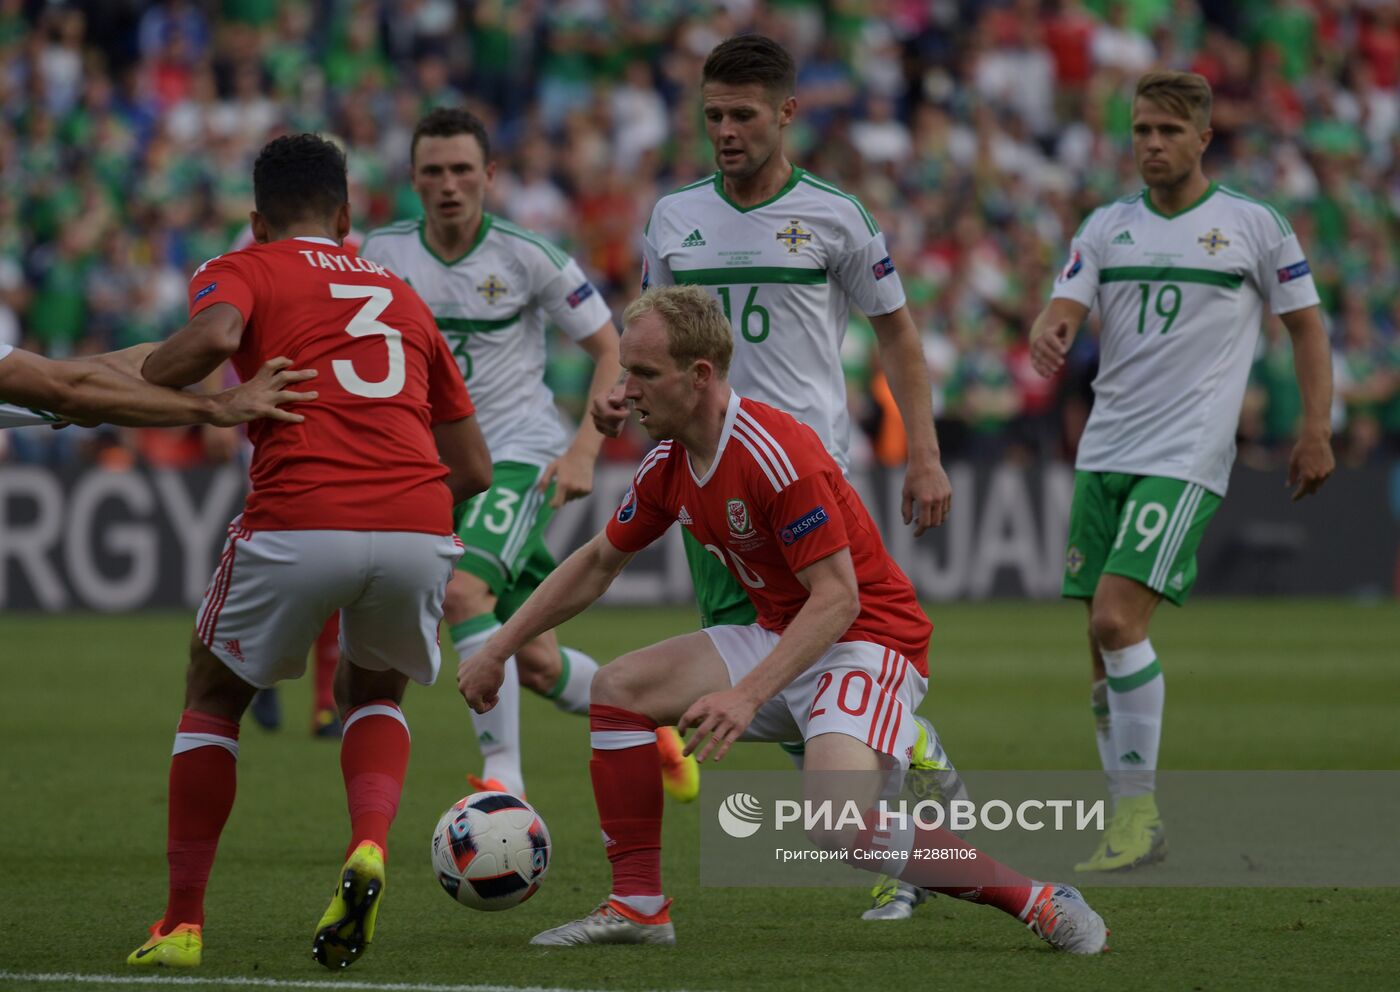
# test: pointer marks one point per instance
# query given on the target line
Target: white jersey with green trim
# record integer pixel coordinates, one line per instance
(493, 305)
(1181, 300)
(22, 416)
(787, 272)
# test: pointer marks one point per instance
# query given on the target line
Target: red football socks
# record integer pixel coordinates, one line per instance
(373, 759)
(203, 780)
(626, 770)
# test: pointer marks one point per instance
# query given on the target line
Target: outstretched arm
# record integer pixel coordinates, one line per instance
(1311, 461)
(1053, 332)
(576, 584)
(91, 392)
(831, 608)
(928, 495)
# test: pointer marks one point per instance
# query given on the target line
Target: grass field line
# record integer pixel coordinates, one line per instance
(71, 978)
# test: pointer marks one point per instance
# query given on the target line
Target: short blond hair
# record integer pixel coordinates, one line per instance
(695, 325)
(1184, 94)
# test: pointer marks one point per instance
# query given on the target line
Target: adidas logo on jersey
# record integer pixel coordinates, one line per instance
(1178, 580)
(1124, 238)
(684, 517)
(694, 240)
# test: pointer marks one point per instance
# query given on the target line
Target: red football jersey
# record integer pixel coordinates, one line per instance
(364, 458)
(772, 503)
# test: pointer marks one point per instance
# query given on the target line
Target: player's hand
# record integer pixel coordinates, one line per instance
(572, 475)
(262, 395)
(928, 495)
(610, 411)
(718, 718)
(1309, 465)
(1049, 349)
(479, 679)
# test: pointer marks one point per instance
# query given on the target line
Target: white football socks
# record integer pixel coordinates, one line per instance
(498, 731)
(1136, 695)
(571, 692)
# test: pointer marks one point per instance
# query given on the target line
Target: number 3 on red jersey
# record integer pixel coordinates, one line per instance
(364, 323)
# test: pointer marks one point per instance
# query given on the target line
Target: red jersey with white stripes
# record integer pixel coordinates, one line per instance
(772, 503)
(365, 458)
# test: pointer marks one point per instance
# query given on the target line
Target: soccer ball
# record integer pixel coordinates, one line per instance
(490, 850)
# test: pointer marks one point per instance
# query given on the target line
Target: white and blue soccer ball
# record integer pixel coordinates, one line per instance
(490, 851)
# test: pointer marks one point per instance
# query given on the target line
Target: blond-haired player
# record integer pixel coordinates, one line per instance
(1181, 273)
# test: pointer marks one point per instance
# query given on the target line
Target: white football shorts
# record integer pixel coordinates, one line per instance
(858, 688)
(274, 590)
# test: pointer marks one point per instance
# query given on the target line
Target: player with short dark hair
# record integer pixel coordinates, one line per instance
(1181, 273)
(350, 511)
(448, 122)
(756, 489)
(494, 288)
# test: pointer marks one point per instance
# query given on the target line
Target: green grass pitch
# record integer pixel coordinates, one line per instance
(90, 705)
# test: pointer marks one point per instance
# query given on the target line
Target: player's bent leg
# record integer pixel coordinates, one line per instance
(931, 777)
(203, 781)
(631, 697)
(1134, 693)
(563, 675)
(539, 663)
(662, 680)
(390, 635)
(374, 759)
(470, 612)
(842, 768)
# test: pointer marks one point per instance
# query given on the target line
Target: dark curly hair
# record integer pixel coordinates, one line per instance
(299, 177)
(444, 122)
(752, 58)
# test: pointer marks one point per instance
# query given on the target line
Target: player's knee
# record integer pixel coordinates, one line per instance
(537, 666)
(616, 685)
(1111, 627)
(467, 597)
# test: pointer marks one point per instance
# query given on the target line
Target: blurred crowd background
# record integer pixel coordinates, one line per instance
(978, 133)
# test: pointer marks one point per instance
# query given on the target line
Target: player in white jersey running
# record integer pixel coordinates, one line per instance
(1181, 273)
(109, 389)
(787, 255)
(493, 288)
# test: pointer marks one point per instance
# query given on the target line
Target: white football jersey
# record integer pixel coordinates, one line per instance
(493, 304)
(21, 416)
(1181, 300)
(787, 272)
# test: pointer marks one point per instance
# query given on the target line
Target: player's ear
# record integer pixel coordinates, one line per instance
(342, 221)
(701, 373)
(262, 234)
(1206, 135)
(787, 110)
